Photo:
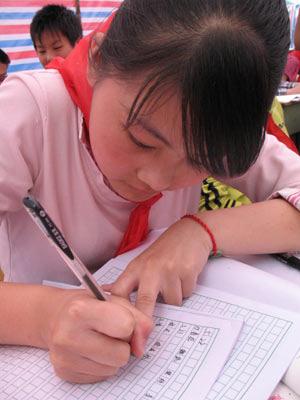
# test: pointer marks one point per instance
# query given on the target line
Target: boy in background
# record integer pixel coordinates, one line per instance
(4, 63)
(54, 32)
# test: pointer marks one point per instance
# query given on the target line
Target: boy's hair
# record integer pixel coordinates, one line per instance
(4, 59)
(56, 19)
(225, 57)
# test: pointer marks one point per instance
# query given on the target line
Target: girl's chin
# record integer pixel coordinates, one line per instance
(129, 193)
(137, 197)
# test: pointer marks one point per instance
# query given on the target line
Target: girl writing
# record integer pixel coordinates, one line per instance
(180, 91)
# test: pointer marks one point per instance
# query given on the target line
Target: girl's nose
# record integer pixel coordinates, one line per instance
(158, 179)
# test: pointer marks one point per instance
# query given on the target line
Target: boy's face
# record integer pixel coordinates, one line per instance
(52, 44)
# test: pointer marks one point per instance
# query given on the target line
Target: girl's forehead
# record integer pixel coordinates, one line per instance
(160, 110)
(159, 119)
(151, 100)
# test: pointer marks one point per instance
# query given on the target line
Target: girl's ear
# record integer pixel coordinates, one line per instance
(94, 53)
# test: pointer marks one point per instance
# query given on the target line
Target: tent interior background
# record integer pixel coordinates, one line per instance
(16, 16)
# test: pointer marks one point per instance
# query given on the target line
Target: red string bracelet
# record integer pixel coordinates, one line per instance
(206, 228)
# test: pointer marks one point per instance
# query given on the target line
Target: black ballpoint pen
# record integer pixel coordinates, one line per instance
(289, 259)
(48, 227)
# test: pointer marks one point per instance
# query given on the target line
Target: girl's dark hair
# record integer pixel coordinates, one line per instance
(57, 19)
(225, 57)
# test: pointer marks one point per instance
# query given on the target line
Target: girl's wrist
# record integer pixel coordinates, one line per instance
(51, 302)
(214, 251)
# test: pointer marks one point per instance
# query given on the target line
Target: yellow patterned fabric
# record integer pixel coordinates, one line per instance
(215, 194)
(278, 115)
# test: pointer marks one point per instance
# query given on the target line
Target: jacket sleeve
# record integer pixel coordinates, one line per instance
(21, 141)
(276, 173)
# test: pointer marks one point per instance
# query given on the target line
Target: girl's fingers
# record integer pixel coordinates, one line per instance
(89, 313)
(121, 320)
(107, 287)
(76, 377)
(92, 339)
(126, 283)
(149, 288)
(188, 284)
(142, 328)
(172, 292)
(96, 347)
(80, 369)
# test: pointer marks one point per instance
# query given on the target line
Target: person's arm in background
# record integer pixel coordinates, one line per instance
(291, 69)
(275, 173)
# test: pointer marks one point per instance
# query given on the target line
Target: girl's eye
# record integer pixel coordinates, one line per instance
(57, 48)
(140, 144)
(136, 141)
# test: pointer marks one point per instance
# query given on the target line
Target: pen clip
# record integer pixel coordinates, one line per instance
(47, 225)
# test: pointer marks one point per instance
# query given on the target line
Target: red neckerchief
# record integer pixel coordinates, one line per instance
(73, 70)
(137, 229)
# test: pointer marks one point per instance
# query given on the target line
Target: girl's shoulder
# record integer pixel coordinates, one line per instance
(41, 96)
(46, 87)
(37, 115)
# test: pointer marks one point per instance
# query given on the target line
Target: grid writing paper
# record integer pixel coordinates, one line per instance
(259, 358)
(180, 351)
(260, 337)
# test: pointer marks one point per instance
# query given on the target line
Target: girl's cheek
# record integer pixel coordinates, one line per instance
(188, 177)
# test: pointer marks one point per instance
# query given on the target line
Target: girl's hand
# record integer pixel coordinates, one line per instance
(170, 266)
(89, 340)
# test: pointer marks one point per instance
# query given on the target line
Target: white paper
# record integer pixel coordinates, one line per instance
(184, 356)
(288, 98)
(248, 281)
(267, 344)
(235, 290)
(273, 266)
(232, 289)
